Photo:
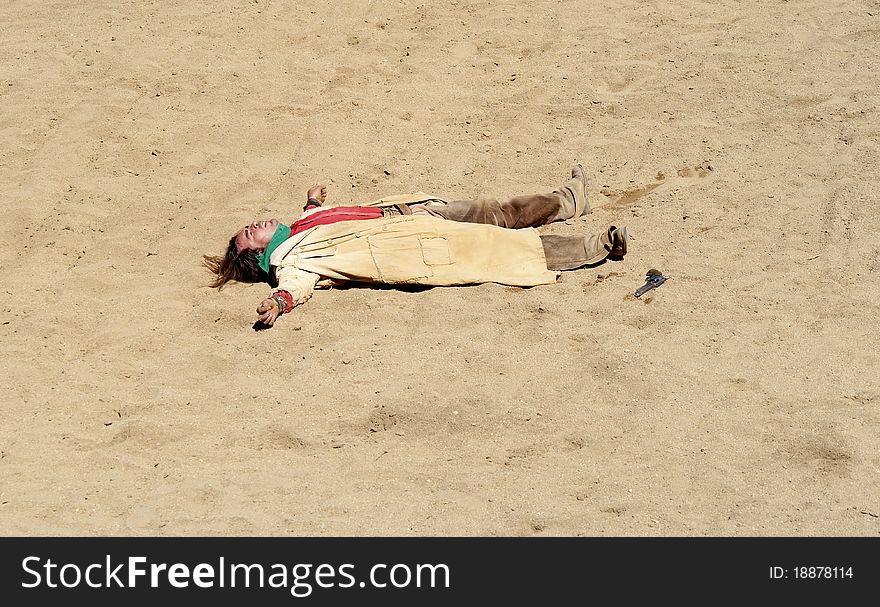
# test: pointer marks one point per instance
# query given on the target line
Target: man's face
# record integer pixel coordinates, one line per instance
(256, 236)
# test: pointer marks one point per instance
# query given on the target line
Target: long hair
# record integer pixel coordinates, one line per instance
(241, 267)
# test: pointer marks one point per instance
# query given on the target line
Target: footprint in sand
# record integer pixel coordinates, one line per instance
(623, 77)
(619, 199)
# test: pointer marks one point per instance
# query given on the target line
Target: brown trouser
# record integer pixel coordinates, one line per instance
(530, 211)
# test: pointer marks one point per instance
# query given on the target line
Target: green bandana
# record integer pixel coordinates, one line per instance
(282, 233)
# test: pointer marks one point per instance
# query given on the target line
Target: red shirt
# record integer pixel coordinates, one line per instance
(334, 214)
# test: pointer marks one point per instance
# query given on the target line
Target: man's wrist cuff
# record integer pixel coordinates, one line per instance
(284, 301)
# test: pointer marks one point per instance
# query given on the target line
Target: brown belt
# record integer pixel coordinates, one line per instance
(395, 210)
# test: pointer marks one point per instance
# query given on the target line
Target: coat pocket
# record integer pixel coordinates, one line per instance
(316, 252)
(435, 251)
(399, 257)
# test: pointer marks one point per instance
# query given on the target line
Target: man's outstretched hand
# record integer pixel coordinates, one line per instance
(267, 311)
(318, 192)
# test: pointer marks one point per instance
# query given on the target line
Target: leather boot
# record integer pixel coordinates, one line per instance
(572, 252)
(619, 239)
(577, 172)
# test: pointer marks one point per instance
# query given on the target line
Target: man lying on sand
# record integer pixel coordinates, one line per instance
(413, 239)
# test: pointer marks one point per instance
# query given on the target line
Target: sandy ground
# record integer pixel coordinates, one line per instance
(737, 141)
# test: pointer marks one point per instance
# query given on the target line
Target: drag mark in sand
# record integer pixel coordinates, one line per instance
(623, 198)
